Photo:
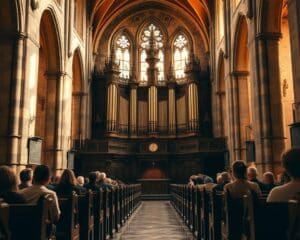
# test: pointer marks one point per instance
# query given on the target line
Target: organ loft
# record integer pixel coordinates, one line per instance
(149, 95)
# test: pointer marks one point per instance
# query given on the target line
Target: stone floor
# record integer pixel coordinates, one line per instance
(155, 220)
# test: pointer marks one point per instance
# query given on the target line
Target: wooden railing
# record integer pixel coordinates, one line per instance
(95, 215)
(214, 215)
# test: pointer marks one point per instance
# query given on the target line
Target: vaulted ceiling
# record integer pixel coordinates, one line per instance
(104, 11)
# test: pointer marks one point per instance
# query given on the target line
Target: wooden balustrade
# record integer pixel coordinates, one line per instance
(214, 215)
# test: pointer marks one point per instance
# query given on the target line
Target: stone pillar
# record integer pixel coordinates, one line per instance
(294, 23)
(172, 108)
(58, 149)
(272, 141)
(133, 109)
(152, 109)
(14, 134)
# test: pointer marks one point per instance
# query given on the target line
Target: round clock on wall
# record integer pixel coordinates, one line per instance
(153, 147)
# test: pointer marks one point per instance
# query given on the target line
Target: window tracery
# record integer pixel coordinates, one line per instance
(180, 55)
(145, 40)
(122, 56)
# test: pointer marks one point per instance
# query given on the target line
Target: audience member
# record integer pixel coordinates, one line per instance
(25, 178)
(92, 184)
(67, 184)
(269, 181)
(103, 182)
(80, 181)
(252, 177)
(240, 186)
(53, 182)
(8, 186)
(224, 179)
(203, 179)
(41, 178)
(290, 190)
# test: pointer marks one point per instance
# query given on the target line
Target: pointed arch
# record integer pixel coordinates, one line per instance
(77, 93)
(49, 72)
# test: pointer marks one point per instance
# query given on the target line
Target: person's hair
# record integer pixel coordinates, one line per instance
(239, 169)
(93, 177)
(252, 172)
(8, 180)
(291, 162)
(68, 178)
(80, 180)
(269, 176)
(102, 177)
(26, 175)
(41, 174)
(225, 176)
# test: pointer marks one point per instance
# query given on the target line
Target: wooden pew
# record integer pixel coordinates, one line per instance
(98, 215)
(86, 217)
(68, 224)
(274, 221)
(4, 221)
(31, 220)
(106, 212)
(214, 212)
(232, 217)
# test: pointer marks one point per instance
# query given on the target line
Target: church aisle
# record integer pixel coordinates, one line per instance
(155, 220)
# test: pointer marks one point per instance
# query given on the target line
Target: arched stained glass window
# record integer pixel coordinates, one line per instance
(145, 40)
(181, 55)
(123, 56)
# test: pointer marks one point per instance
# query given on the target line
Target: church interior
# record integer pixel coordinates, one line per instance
(147, 119)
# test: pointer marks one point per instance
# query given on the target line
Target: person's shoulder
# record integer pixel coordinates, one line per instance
(228, 185)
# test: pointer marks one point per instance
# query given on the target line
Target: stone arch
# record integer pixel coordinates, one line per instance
(242, 89)
(270, 16)
(49, 74)
(77, 97)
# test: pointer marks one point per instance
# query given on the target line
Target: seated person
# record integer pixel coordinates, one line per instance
(192, 180)
(8, 186)
(26, 178)
(224, 179)
(203, 179)
(269, 181)
(92, 184)
(67, 184)
(240, 186)
(290, 190)
(104, 182)
(41, 178)
(80, 181)
(252, 177)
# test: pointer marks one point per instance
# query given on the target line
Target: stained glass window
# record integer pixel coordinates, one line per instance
(123, 56)
(158, 38)
(181, 55)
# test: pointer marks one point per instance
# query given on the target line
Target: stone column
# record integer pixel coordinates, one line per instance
(294, 24)
(272, 141)
(172, 108)
(14, 134)
(133, 109)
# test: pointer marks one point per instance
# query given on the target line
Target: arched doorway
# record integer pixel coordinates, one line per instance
(47, 97)
(242, 95)
(76, 101)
